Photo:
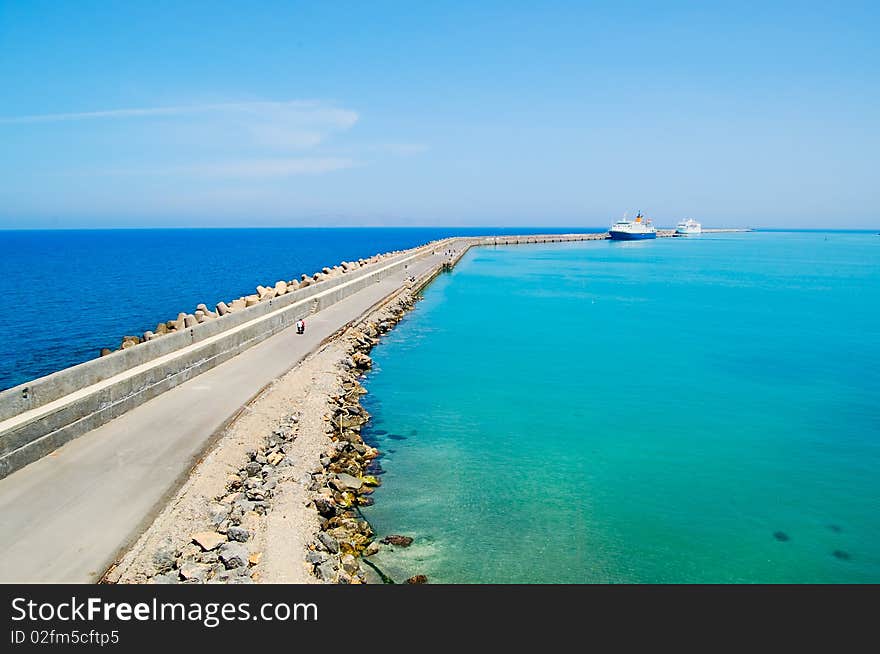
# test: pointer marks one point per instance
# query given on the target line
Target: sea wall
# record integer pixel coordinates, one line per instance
(39, 416)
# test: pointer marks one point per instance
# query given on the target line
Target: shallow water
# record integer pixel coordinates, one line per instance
(682, 410)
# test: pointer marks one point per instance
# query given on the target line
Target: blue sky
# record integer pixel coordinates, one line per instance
(510, 113)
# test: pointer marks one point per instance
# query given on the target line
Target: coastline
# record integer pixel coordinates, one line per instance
(312, 472)
(242, 506)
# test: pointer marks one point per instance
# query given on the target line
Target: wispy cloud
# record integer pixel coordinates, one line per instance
(303, 110)
(242, 168)
(212, 144)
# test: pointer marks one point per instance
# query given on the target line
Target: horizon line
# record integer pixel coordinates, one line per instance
(379, 226)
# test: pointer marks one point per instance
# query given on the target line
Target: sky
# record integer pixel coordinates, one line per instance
(182, 114)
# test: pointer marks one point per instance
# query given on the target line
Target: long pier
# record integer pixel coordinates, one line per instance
(88, 455)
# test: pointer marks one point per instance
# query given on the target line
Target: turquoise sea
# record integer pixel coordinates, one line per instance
(682, 410)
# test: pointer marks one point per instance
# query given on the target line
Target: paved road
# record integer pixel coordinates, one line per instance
(66, 517)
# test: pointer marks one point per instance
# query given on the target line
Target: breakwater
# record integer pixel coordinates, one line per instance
(39, 416)
(309, 459)
(167, 436)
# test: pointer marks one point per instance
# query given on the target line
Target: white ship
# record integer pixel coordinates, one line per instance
(687, 227)
(631, 230)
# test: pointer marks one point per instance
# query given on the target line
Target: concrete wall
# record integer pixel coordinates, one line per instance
(46, 413)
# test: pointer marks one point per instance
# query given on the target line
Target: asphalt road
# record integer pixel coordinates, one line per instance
(68, 516)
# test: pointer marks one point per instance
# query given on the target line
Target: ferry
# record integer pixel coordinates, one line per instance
(631, 230)
(688, 227)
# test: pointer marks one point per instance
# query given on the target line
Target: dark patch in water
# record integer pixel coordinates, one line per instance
(781, 536)
(370, 439)
(391, 451)
(375, 468)
(840, 554)
(380, 432)
(396, 437)
(413, 432)
(835, 528)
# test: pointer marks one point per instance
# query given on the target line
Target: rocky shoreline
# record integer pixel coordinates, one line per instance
(350, 465)
(227, 524)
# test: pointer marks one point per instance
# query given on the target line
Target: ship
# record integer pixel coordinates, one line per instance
(688, 227)
(633, 230)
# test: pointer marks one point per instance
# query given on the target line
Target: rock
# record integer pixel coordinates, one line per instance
(326, 571)
(344, 482)
(417, 579)
(238, 305)
(234, 555)
(164, 559)
(315, 558)
(105, 351)
(347, 422)
(371, 549)
(361, 360)
(239, 534)
(251, 300)
(255, 558)
(325, 507)
(370, 480)
(180, 323)
(222, 309)
(244, 505)
(203, 309)
(350, 564)
(274, 459)
(208, 540)
(253, 468)
(267, 294)
(190, 321)
(194, 570)
(397, 541)
(328, 542)
(217, 513)
(280, 288)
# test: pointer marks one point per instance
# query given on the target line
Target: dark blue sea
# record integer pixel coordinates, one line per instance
(67, 294)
